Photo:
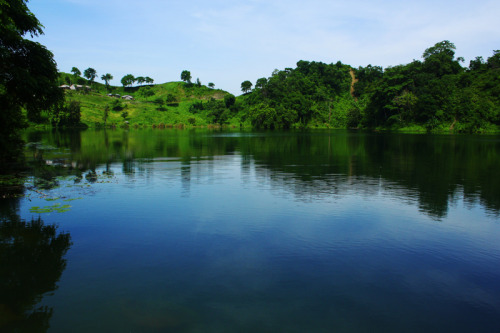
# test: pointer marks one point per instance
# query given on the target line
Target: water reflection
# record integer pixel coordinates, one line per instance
(31, 263)
(431, 170)
(205, 231)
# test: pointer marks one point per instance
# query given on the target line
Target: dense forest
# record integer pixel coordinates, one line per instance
(437, 93)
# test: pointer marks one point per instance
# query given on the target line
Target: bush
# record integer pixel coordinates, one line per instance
(196, 107)
(171, 98)
(146, 92)
(116, 105)
(353, 118)
(229, 100)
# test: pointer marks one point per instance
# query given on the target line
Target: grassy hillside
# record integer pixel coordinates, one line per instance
(166, 104)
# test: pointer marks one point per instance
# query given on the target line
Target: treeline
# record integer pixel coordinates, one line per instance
(437, 93)
(295, 97)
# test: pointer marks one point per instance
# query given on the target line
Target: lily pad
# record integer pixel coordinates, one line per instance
(58, 208)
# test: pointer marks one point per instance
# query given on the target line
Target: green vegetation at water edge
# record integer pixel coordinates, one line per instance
(436, 94)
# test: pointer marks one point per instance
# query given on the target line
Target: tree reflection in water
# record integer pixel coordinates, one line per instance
(31, 264)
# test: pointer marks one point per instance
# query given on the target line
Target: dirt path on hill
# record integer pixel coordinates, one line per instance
(353, 81)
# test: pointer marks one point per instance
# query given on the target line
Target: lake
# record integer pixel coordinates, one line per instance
(242, 231)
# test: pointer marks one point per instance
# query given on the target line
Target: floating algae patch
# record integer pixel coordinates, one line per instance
(72, 199)
(58, 208)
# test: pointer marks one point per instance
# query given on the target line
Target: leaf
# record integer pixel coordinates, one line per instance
(49, 209)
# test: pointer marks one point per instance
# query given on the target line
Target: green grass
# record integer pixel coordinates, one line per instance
(146, 111)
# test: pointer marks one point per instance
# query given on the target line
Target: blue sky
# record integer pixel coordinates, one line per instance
(228, 42)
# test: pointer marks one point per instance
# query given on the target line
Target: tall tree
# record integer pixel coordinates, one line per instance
(186, 76)
(106, 78)
(76, 72)
(246, 86)
(440, 59)
(127, 80)
(140, 80)
(149, 80)
(90, 74)
(28, 76)
(261, 83)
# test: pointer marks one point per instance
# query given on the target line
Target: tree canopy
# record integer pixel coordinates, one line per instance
(435, 93)
(295, 96)
(90, 74)
(128, 80)
(246, 86)
(186, 76)
(106, 78)
(76, 72)
(140, 80)
(28, 75)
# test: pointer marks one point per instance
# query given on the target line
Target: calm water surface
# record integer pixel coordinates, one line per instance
(209, 231)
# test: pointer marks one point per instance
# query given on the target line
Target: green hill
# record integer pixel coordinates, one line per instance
(167, 104)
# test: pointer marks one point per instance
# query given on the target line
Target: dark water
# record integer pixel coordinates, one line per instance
(203, 231)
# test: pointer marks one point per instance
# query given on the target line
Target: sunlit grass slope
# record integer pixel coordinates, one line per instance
(164, 104)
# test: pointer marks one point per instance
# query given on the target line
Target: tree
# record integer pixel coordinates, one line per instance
(76, 72)
(494, 60)
(246, 86)
(217, 111)
(477, 64)
(186, 76)
(229, 100)
(198, 82)
(90, 74)
(149, 80)
(28, 76)
(406, 101)
(127, 80)
(106, 78)
(140, 80)
(439, 59)
(69, 115)
(211, 85)
(445, 47)
(261, 83)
